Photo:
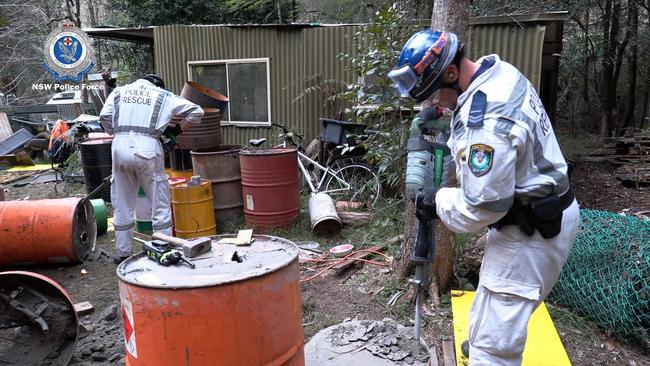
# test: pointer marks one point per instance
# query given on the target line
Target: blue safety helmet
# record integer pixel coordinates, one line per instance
(425, 56)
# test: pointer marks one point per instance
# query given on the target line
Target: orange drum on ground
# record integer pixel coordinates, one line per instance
(231, 310)
(46, 231)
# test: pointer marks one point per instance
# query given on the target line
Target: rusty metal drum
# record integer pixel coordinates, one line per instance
(239, 306)
(220, 165)
(46, 231)
(205, 134)
(204, 96)
(270, 187)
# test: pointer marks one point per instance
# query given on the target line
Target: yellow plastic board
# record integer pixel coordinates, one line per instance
(25, 168)
(543, 346)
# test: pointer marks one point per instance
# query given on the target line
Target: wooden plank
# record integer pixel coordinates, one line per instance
(5, 127)
(433, 356)
(354, 218)
(362, 255)
(448, 354)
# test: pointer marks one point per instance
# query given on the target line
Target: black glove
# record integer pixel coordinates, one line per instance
(425, 204)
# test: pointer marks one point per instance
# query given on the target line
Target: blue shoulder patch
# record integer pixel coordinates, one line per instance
(477, 110)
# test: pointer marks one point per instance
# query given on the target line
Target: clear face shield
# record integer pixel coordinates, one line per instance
(405, 79)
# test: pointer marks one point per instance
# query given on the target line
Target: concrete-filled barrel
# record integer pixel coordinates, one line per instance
(46, 231)
(220, 165)
(50, 336)
(270, 187)
(239, 306)
(97, 164)
(181, 163)
(193, 209)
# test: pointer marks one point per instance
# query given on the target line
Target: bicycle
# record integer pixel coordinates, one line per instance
(344, 180)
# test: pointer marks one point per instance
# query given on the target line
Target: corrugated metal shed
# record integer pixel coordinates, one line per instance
(299, 57)
(304, 55)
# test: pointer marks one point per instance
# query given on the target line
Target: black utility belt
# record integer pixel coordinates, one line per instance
(542, 214)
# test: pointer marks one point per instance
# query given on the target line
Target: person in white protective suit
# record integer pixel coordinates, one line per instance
(513, 178)
(137, 114)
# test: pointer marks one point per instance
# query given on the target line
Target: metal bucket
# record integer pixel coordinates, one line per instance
(202, 135)
(221, 313)
(324, 219)
(221, 166)
(97, 165)
(193, 210)
(46, 231)
(143, 222)
(204, 96)
(26, 343)
(270, 187)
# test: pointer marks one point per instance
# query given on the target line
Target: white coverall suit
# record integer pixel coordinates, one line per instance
(137, 114)
(505, 149)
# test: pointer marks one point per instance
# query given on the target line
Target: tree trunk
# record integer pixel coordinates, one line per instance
(452, 16)
(633, 31)
(606, 102)
(279, 6)
(585, 87)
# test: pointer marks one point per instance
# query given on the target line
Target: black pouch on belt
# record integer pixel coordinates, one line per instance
(547, 215)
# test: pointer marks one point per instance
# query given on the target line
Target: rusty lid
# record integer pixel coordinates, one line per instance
(220, 266)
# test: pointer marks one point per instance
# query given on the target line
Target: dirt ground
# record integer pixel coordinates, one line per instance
(363, 292)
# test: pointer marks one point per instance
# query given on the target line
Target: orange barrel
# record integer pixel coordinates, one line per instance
(25, 342)
(46, 231)
(270, 187)
(193, 210)
(220, 165)
(223, 312)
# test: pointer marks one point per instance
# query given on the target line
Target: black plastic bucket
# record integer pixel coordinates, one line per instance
(97, 165)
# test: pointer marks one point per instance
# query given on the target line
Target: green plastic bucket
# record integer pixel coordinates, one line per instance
(144, 227)
(101, 217)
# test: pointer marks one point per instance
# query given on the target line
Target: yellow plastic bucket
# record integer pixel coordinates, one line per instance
(193, 210)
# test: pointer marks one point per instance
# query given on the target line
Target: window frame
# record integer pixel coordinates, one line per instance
(226, 62)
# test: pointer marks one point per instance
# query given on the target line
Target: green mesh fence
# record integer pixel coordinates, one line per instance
(607, 275)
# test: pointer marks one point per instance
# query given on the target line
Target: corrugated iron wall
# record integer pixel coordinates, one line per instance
(518, 45)
(301, 58)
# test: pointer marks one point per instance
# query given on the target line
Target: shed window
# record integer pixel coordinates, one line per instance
(245, 82)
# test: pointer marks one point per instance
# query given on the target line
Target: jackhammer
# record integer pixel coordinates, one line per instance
(424, 169)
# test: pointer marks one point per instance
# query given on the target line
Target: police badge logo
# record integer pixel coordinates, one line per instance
(480, 159)
(68, 54)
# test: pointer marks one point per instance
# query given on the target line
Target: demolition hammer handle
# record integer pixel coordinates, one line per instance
(170, 239)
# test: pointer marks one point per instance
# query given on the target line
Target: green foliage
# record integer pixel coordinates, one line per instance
(164, 12)
(372, 99)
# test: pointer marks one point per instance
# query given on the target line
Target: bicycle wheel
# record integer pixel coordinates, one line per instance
(365, 185)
